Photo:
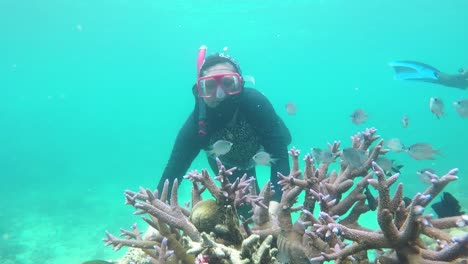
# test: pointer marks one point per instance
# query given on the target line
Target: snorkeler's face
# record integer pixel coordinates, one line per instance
(223, 90)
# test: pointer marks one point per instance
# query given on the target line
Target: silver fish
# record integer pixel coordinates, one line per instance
(358, 116)
(389, 166)
(421, 151)
(422, 175)
(461, 107)
(353, 157)
(291, 108)
(436, 106)
(263, 158)
(327, 157)
(394, 144)
(316, 154)
(219, 148)
(384, 163)
(322, 156)
(404, 121)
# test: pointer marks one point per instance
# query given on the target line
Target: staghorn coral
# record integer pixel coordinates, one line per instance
(210, 232)
(326, 229)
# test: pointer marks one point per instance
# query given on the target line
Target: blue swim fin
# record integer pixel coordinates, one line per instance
(413, 70)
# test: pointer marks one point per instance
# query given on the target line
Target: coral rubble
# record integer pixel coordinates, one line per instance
(326, 229)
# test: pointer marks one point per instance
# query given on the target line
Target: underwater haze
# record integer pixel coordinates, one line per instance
(93, 93)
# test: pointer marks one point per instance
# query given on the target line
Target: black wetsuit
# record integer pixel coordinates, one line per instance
(459, 80)
(249, 121)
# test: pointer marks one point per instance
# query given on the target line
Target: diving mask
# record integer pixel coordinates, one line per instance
(230, 83)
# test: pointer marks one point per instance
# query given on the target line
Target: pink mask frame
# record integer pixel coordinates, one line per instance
(218, 78)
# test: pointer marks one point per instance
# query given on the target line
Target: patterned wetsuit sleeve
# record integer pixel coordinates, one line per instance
(186, 148)
(273, 134)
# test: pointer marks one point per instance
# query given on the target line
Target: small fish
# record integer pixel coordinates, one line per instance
(436, 106)
(322, 156)
(353, 157)
(394, 144)
(461, 107)
(219, 148)
(404, 121)
(263, 158)
(421, 151)
(358, 116)
(290, 108)
(316, 154)
(448, 206)
(389, 166)
(371, 201)
(327, 156)
(422, 175)
(384, 163)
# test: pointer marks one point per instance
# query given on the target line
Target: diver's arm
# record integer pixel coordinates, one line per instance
(186, 148)
(273, 134)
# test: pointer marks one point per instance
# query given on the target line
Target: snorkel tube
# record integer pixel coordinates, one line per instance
(201, 103)
(201, 58)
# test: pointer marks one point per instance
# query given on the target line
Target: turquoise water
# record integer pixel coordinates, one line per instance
(92, 94)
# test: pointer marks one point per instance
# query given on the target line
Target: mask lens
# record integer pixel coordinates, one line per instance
(230, 84)
(208, 87)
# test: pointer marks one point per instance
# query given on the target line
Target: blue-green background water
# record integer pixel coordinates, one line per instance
(92, 94)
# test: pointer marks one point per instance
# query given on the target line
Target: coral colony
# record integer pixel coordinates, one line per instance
(326, 228)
